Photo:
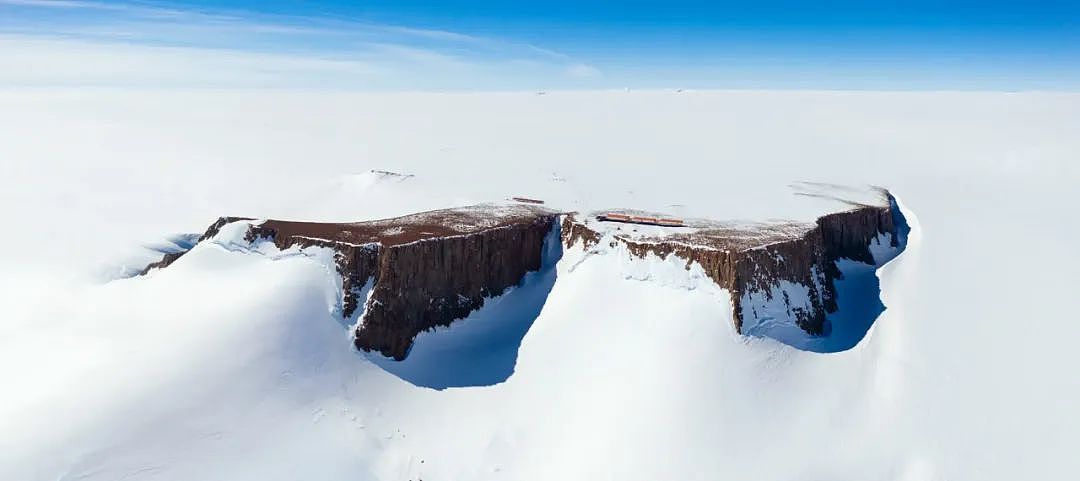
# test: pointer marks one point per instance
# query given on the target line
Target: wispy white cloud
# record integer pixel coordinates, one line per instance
(49, 3)
(125, 8)
(56, 61)
(582, 70)
(147, 44)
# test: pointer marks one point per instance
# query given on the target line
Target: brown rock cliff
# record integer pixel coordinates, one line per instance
(426, 269)
(754, 258)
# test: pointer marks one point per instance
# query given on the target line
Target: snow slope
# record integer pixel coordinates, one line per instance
(234, 365)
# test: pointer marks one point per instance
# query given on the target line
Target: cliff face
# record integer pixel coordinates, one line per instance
(788, 268)
(356, 263)
(429, 269)
(426, 269)
(424, 284)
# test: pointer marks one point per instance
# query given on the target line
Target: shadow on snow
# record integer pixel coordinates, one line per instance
(482, 349)
(858, 299)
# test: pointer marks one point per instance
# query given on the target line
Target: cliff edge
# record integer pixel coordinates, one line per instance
(424, 270)
(420, 271)
(788, 267)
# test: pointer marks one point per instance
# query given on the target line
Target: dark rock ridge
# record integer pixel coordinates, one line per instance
(211, 231)
(751, 261)
(425, 270)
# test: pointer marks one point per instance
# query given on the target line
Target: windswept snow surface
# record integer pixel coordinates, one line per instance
(233, 363)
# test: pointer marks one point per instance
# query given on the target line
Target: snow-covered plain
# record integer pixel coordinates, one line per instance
(234, 365)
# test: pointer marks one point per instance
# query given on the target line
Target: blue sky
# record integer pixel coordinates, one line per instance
(432, 45)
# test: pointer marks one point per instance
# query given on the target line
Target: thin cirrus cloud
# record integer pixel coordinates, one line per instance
(86, 43)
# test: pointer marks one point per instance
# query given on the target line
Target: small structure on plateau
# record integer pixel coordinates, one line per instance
(639, 219)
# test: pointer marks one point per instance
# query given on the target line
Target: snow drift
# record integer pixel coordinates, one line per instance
(235, 364)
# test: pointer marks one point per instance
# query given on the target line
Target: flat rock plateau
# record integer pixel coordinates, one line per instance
(409, 274)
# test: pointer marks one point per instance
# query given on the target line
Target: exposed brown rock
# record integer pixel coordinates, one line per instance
(755, 257)
(211, 231)
(167, 259)
(572, 232)
(356, 263)
(427, 269)
(432, 282)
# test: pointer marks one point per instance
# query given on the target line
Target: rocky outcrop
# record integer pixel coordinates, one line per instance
(356, 263)
(791, 265)
(417, 272)
(426, 270)
(429, 283)
(210, 232)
